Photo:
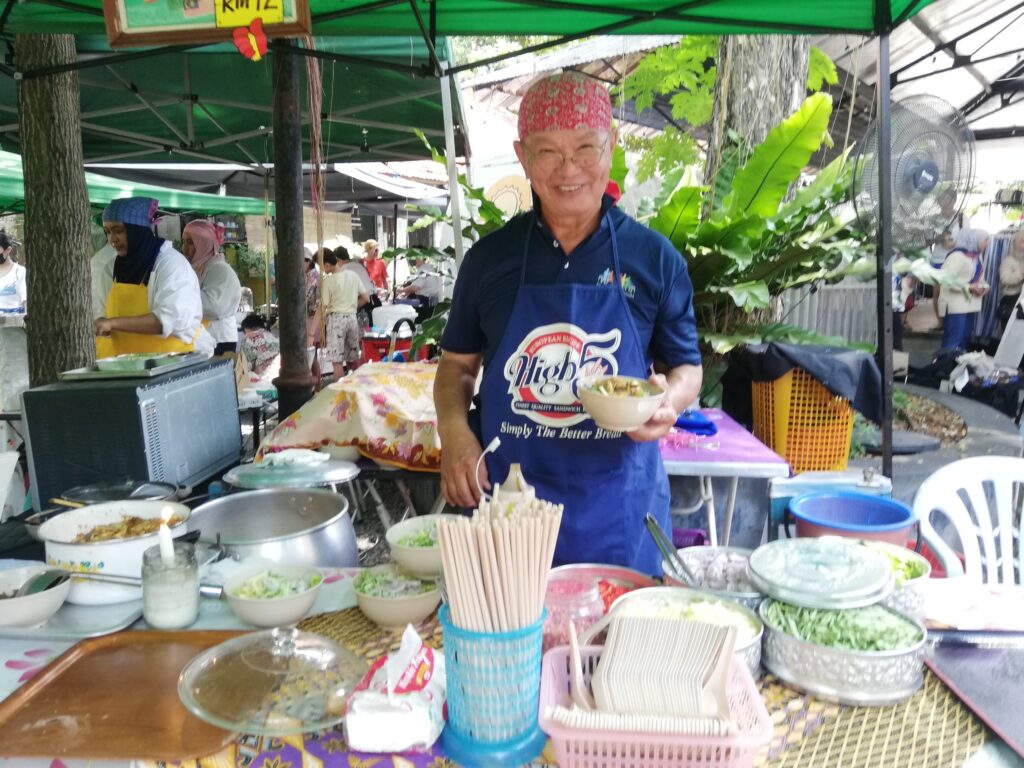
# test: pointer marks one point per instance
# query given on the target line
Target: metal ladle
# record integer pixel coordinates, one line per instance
(53, 577)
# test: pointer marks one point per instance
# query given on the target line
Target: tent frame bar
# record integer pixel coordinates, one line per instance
(102, 61)
(405, 69)
(374, 6)
(950, 46)
(428, 39)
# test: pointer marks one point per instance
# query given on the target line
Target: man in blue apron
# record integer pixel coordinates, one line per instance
(573, 286)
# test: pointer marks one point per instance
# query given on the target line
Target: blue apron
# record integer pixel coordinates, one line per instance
(606, 481)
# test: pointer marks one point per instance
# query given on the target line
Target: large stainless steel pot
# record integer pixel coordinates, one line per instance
(301, 527)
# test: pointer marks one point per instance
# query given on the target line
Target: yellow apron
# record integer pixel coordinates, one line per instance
(127, 300)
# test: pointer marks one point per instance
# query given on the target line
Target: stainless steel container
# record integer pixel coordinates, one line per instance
(661, 599)
(697, 558)
(298, 527)
(842, 675)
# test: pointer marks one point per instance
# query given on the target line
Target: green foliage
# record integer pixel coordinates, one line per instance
(619, 169)
(821, 70)
(687, 72)
(430, 332)
(763, 181)
(669, 149)
(687, 67)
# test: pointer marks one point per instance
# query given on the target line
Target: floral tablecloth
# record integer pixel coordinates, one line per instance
(386, 410)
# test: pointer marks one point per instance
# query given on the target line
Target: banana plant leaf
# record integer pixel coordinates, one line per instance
(677, 219)
(763, 181)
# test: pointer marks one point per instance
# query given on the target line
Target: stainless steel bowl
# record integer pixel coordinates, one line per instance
(907, 599)
(837, 674)
(298, 527)
(750, 652)
(690, 555)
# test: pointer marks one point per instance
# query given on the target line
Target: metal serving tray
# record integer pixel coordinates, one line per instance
(92, 373)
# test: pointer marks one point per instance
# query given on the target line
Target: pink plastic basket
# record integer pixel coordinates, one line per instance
(579, 748)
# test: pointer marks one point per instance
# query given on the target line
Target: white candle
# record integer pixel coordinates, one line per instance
(166, 545)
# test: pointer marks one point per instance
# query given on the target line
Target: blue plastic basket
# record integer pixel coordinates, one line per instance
(857, 515)
(493, 682)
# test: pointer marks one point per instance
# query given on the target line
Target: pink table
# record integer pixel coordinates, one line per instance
(732, 453)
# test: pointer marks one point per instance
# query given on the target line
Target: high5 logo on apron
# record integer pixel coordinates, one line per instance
(557, 335)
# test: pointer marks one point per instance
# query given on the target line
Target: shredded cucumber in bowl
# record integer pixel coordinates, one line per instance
(858, 629)
(390, 584)
(424, 537)
(270, 585)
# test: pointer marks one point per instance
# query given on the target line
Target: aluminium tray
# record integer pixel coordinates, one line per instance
(92, 373)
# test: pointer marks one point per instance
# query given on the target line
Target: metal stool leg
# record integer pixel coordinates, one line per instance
(382, 511)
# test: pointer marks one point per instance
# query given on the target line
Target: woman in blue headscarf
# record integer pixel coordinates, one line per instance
(153, 302)
(962, 306)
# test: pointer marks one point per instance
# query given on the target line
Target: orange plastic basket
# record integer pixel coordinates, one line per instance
(803, 422)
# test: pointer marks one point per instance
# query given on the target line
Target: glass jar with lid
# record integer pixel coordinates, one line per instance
(570, 597)
(170, 588)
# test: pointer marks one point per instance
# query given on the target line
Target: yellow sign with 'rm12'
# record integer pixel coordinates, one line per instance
(241, 13)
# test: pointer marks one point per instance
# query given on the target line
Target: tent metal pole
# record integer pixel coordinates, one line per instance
(149, 105)
(427, 38)
(222, 129)
(355, 110)
(295, 382)
(883, 274)
(103, 61)
(268, 233)
(106, 112)
(453, 171)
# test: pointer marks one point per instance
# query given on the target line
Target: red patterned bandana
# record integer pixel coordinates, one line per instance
(564, 102)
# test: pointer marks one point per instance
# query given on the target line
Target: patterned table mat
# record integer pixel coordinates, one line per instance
(933, 729)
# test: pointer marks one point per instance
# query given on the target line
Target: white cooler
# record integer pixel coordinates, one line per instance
(385, 317)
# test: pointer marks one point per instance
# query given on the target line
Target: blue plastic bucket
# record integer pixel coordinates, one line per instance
(853, 515)
(493, 682)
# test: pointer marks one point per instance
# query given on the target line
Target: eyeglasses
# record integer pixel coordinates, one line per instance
(587, 156)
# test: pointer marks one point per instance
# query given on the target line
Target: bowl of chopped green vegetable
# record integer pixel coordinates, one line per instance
(273, 596)
(619, 403)
(392, 598)
(909, 569)
(861, 656)
(414, 546)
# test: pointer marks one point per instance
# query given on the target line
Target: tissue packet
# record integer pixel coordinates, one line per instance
(399, 705)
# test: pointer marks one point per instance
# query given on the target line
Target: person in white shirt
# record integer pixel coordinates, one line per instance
(342, 295)
(423, 291)
(13, 290)
(152, 300)
(220, 288)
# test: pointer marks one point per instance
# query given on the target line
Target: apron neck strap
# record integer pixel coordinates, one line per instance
(533, 223)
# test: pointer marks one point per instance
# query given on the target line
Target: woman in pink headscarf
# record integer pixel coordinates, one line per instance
(221, 290)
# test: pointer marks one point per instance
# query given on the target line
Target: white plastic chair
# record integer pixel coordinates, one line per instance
(981, 498)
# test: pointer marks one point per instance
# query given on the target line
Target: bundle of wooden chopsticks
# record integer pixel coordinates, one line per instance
(496, 564)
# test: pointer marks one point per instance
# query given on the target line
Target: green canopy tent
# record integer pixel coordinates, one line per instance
(358, 18)
(103, 189)
(572, 20)
(211, 104)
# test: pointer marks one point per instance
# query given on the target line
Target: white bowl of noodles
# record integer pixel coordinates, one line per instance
(108, 538)
(619, 403)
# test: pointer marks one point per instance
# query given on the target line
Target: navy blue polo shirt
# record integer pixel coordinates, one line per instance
(654, 278)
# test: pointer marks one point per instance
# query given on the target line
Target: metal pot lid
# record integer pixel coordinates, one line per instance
(279, 682)
(121, 490)
(255, 476)
(825, 572)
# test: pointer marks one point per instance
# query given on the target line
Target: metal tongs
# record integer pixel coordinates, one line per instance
(679, 570)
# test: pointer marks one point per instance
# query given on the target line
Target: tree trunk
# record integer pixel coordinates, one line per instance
(762, 79)
(295, 383)
(60, 332)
